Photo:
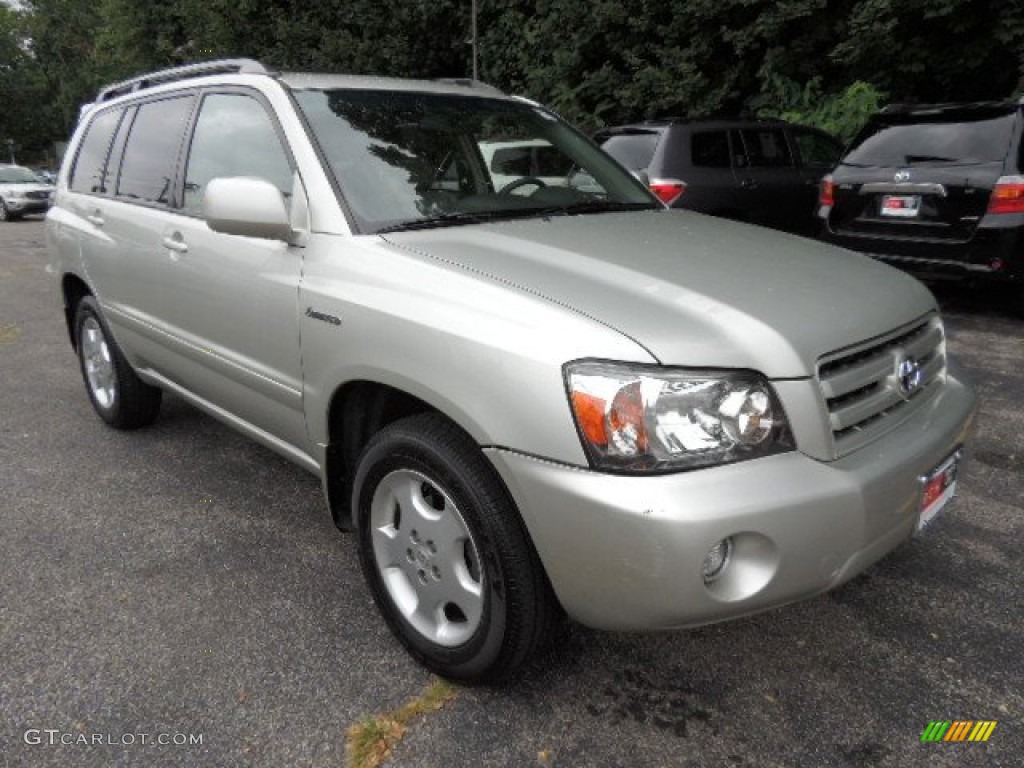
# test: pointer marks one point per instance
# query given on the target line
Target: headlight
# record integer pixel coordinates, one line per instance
(639, 419)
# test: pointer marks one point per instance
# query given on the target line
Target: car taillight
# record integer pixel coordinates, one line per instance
(827, 191)
(668, 190)
(1008, 195)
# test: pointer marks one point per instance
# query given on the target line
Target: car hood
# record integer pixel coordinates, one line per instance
(8, 188)
(693, 290)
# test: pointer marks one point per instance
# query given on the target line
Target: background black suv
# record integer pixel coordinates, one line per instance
(765, 172)
(935, 189)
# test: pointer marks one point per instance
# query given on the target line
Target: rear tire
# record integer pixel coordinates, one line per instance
(446, 556)
(117, 394)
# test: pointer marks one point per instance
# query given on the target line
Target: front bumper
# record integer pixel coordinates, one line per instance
(19, 206)
(625, 553)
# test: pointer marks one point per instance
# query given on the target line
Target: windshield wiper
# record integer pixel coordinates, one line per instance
(594, 206)
(454, 219)
(480, 217)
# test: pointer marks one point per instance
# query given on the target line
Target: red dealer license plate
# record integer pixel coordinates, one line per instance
(939, 488)
(901, 206)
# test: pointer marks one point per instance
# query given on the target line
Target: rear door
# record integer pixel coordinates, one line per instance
(235, 311)
(770, 186)
(924, 176)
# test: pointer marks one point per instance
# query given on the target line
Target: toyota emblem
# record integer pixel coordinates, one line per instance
(908, 372)
(902, 176)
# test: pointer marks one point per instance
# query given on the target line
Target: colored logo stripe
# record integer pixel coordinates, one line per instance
(958, 730)
(982, 730)
(935, 731)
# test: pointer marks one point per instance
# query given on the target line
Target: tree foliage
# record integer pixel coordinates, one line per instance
(828, 62)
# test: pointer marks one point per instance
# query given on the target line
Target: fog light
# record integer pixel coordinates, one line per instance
(716, 559)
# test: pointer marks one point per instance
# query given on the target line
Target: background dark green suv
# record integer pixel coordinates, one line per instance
(764, 172)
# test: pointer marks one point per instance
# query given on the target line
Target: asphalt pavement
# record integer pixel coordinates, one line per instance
(179, 596)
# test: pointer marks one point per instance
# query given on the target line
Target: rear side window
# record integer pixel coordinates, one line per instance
(710, 149)
(633, 150)
(89, 172)
(766, 148)
(530, 161)
(954, 139)
(234, 136)
(151, 154)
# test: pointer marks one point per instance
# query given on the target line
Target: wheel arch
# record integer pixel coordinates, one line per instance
(73, 288)
(358, 410)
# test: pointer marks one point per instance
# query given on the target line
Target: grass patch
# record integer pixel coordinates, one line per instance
(9, 332)
(371, 741)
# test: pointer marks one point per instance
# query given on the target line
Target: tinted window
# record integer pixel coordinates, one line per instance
(147, 170)
(633, 150)
(766, 148)
(88, 174)
(817, 150)
(234, 136)
(890, 140)
(710, 149)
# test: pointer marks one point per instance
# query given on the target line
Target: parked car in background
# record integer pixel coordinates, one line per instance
(935, 189)
(524, 397)
(22, 192)
(764, 172)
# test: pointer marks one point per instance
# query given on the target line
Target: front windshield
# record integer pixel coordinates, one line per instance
(410, 159)
(15, 174)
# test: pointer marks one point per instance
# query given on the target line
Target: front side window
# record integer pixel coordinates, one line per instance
(407, 159)
(817, 151)
(89, 173)
(766, 148)
(151, 154)
(234, 136)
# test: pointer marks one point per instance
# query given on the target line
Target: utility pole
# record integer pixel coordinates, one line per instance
(476, 71)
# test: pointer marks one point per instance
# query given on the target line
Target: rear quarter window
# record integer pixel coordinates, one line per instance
(633, 150)
(710, 149)
(89, 172)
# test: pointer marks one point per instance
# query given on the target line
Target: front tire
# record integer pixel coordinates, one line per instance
(446, 555)
(117, 394)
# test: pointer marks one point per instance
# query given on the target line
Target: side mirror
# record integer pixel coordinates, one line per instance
(246, 206)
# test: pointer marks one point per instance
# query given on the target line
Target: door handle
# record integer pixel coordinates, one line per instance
(748, 184)
(175, 243)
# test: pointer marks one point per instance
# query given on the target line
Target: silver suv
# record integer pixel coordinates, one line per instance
(528, 397)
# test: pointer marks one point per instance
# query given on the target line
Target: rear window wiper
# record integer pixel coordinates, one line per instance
(911, 159)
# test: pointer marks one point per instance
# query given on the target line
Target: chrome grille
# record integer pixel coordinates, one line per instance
(873, 386)
(37, 195)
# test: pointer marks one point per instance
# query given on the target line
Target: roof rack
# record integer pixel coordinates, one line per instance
(215, 67)
(467, 82)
